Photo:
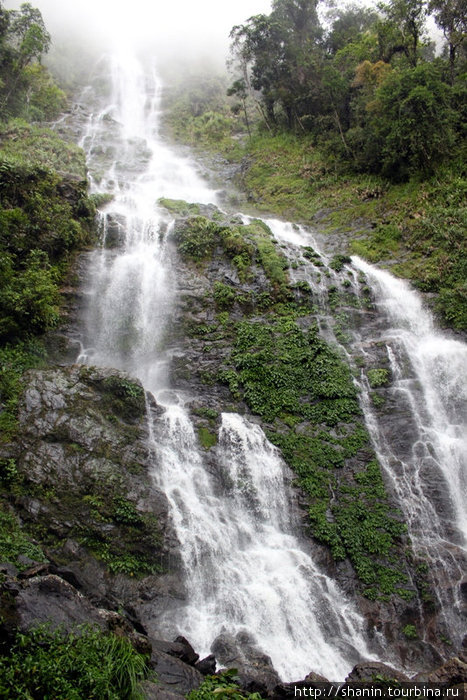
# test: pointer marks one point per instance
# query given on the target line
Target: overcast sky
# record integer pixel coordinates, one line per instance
(179, 22)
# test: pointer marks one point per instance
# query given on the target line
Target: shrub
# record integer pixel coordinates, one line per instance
(378, 377)
(85, 664)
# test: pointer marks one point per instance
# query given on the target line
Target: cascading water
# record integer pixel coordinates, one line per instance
(425, 458)
(246, 570)
(428, 382)
(132, 289)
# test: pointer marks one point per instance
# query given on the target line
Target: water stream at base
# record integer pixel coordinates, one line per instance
(246, 569)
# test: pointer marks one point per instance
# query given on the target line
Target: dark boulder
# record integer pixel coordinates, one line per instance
(370, 670)
(173, 675)
(453, 672)
(207, 666)
(256, 673)
(290, 690)
(180, 648)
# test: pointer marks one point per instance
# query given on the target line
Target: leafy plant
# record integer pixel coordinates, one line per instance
(221, 686)
(84, 664)
(14, 542)
(378, 377)
(410, 632)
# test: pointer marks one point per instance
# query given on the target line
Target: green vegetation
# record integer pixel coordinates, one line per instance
(223, 687)
(378, 377)
(179, 207)
(207, 438)
(224, 295)
(15, 359)
(245, 245)
(103, 519)
(410, 632)
(368, 88)
(45, 213)
(84, 664)
(357, 124)
(198, 113)
(304, 392)
(26, 88)
(13, 540)
(125, 397)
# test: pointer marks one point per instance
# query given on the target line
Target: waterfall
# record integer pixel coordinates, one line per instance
(132, 288)
(428, 399)
(246, 569)
(428, 385)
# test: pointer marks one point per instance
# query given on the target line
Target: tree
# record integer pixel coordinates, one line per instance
(451, 17)
(402, 29)
(277, 58)
(23, 41)
(348, 25)
(410, 129)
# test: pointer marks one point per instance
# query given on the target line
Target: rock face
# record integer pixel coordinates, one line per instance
(85, 484)
(83, 488)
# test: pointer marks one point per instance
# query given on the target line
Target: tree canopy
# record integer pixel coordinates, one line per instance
(366, 83)
(26, 88)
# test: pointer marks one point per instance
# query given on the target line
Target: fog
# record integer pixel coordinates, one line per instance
(183, 26)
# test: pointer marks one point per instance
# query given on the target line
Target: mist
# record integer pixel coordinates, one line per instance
(181, 28)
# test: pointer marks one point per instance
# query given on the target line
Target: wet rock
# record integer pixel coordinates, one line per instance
(83, 456)
(114, 230)
(8, 569)
(173, 675)
(367, 671)
(453, 672)
(50, 599)
(290, 690)
(153, 691)
(180, 648)
(67, 575)
(27, 561)
(207, 666)
(255, 670)
(37, 570)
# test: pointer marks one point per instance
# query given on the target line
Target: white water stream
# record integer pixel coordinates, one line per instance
(428, 394)
(246, 570)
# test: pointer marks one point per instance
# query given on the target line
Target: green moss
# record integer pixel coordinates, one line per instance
(224, 295)
(207, 438)
(124, 397)
(197, 237)
(378, 377)
(377, 400)
(223, 687)
(32, 147)
(15, 359)
(410, 632)
(15, 542)
(273, 262)
(204, 412)
(179, 206)
(338, 261)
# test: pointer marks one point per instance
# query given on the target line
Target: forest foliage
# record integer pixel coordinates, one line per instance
(368, 86)
(45, 212)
